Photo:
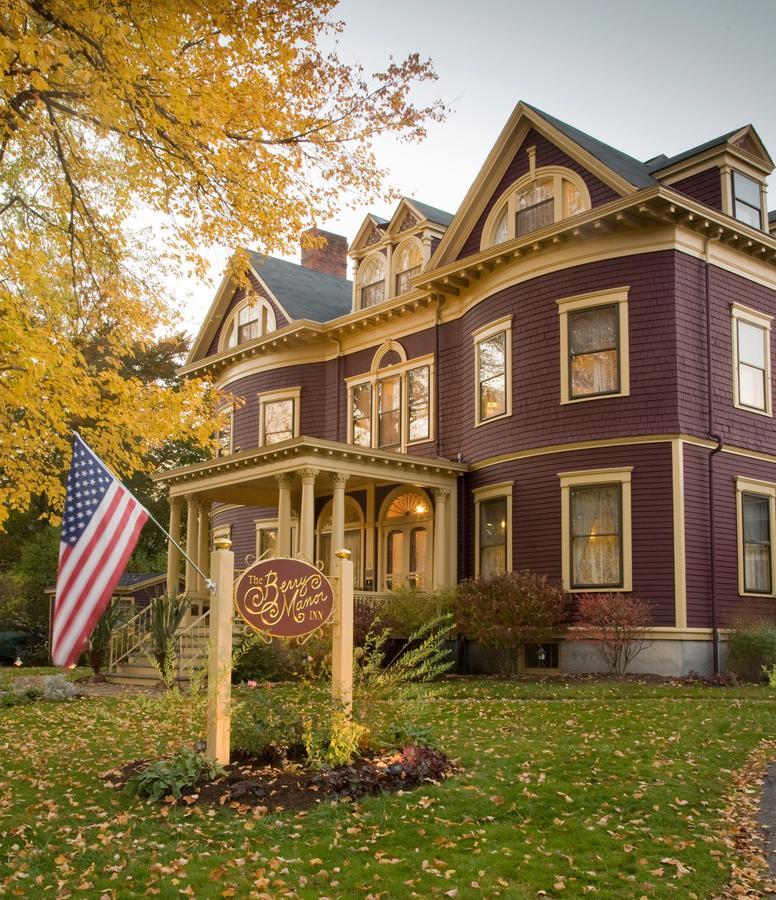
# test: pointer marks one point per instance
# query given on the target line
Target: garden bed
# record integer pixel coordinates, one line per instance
(254, 786)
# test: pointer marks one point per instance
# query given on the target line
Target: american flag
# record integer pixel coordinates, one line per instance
(100, 528)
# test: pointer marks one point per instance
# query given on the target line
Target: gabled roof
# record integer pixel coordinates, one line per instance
(371, 221)
(628, 167)
(745, 131)
(303, 293)
(432, 213)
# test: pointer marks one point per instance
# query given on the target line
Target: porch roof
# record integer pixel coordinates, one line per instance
(248, 477)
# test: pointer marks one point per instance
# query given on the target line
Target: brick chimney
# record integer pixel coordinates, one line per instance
(331, 258)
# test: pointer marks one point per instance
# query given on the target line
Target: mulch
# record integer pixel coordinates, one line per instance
(251, 786)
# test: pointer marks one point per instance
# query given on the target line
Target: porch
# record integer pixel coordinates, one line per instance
(396, 513)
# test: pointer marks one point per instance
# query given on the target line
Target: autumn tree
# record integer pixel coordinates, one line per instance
(223, 121)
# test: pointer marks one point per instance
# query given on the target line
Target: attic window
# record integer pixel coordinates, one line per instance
(746, 198)
(535, 201)
(409, 261)
(250, 320)
(371, 280)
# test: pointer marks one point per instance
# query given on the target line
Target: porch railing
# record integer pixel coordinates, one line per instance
(129, 638)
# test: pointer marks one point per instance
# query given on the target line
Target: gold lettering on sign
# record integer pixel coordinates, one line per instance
(272, 599)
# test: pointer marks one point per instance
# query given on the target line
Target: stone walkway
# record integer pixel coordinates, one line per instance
(767, 818)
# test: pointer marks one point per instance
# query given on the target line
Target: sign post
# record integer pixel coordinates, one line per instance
(220, 660)
(342, 633)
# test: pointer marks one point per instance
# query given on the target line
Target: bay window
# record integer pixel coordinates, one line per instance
(493, 529)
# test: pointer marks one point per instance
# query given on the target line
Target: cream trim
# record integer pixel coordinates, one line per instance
(292, 393)
(494, 492)
(763, 489)
(230, 323)
(761, 320)
(384, 348)
(500, 156)
(569, 480)
(506, 200)
(504, 325)
(680, 559)
(592, 301)
(618, 442)
(405, 524)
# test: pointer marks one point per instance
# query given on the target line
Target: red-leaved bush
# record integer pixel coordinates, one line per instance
(620, 624)
(507, 611)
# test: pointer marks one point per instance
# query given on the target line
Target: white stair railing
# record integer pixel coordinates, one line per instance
(129, 638)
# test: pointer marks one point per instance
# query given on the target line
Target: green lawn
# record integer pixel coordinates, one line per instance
(571, 789)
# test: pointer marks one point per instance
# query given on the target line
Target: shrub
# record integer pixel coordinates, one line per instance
(57, 687)
(166, 615)
(618, 622)
(507, 611)
(751, 646)
(185, 769)
(770, 674)
(268, 726)
(254, 660)
(99, 642)
(20, 698)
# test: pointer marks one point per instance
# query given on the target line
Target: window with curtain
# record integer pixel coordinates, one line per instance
(596, 536)
(752, 364)
(746, 200)
(492, 375)
(594, 351)
(756, 514)
(371, 278)
(266, 543)
(409, 262)
(389, 411)
(493, 530)
(278, 420)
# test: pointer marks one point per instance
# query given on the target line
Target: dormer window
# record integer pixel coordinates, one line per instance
(409, 261)
(250, 320)
(535, 201)
(371, 280)
(746, 200)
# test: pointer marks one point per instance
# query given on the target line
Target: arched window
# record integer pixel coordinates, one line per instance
(250, 320)
(408, 262)
(354, 537)
(371, 280)
(535, 201)
(406, 527)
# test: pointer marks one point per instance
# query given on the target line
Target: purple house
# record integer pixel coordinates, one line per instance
(571, 374)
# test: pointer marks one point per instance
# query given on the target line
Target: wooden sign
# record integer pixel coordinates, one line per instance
(284, 597)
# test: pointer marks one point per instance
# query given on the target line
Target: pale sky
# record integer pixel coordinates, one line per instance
(647, 78)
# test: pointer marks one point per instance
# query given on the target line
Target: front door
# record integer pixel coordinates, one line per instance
(406, 540)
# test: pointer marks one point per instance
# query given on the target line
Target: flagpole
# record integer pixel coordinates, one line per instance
(209, 584)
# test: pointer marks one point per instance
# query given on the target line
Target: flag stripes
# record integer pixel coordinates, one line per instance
(100, 528)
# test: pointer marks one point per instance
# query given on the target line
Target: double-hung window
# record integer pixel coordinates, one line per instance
(493, 529)
(278, 416)
(493, 371)
(225, 433)
(594, 346)
(755, 501)
(751, 359)
(747, 201)
(389, 411)
(596, 521)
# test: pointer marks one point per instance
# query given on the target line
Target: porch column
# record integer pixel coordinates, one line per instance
(173, 553)
(284, 514)
(192, 529)
(440, 536)
(307, 514)
(203, 550)
(337, 517)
